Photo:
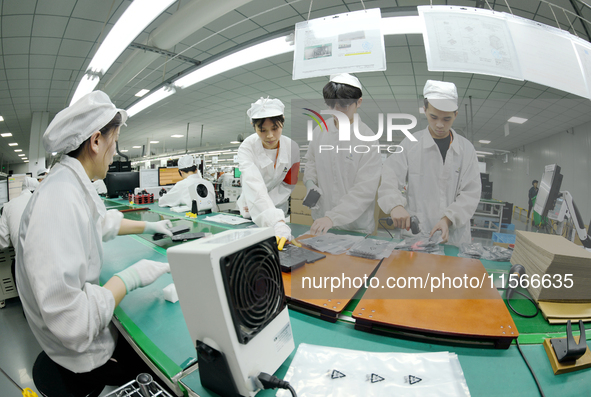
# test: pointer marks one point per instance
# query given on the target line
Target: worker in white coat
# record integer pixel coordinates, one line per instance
(346, 180)
(269, 163)
(59, 252)
(179, 194)
(12, 213)
(440, 172)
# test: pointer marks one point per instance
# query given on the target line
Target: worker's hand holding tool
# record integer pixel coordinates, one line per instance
(400, 217)
(159, 227)
(142, 273)
(283, 233)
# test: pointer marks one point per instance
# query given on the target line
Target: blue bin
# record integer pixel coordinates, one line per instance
(503, 238)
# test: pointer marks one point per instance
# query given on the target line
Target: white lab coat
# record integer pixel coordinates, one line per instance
(434, 189)
(267, 186)
(226, 181)
(11, 219)
(348, 180)
(179, 194)
(58, 262)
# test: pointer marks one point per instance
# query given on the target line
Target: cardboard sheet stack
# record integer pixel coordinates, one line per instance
(562, 270)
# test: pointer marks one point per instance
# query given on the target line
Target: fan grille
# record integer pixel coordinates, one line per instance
(254, 288)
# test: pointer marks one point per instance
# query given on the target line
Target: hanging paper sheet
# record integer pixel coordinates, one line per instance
(343, 43)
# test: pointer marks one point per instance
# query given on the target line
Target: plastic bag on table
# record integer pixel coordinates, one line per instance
(318, 371)
(422, 243)
(471, 250)
(332, 243)
(372, 249)
(496, 253)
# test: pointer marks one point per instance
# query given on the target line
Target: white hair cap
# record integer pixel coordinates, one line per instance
(264, 108)
(30, 183)
(41, 172)
(442, 95)
(186, 161)
(345, 78)
(77, 123)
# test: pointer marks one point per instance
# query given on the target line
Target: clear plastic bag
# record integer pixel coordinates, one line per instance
(422, 243)
(318, 371)
(332, 243)
(496, 253)
(471, 250)
(372, 249)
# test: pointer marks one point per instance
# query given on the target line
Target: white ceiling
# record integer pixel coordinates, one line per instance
(46, 46)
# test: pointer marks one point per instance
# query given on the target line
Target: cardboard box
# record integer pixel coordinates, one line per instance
(297, 207)
(301, 219)
(299, 192)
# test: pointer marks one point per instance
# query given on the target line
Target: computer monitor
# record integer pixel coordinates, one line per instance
(549, 190)
(237, 172)
(168, 176)
(121, 182)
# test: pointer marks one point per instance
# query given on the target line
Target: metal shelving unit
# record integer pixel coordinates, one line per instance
(492, 212)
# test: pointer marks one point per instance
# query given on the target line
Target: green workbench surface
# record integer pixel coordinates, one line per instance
(159, 329)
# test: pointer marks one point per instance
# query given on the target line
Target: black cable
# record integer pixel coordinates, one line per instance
(528, 298)
(384, 227)
(530, 368)
(272, 382)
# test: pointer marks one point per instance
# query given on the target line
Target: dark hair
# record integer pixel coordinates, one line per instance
(111, 126)
(192, 168)
(534, 181)
(276, 120)
(340, 94)
(426, 103)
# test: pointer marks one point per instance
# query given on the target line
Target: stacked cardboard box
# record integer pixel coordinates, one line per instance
(562, 269)
(300, 214)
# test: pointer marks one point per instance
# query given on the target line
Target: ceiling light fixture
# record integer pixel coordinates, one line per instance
(6, 134)
(124, 150)
(154, 141)
(136, 147)
(141, 93)
(517, 120)
(21, 155)
(134, 20)
(484, 141)
(26, 161)
(177, 136)
(234, 142)
(1, 118)
(151, 99)
(18, 150)
(483, 153)
(13, 144)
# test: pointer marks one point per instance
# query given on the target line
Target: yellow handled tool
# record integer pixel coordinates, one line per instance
(280, 242)
(26, 392)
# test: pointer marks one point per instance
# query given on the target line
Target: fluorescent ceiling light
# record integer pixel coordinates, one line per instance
(86, 85)
(517, 120)
(18, 150)
(151, 99)
(483, 153)
(53, 153)
(26, 161)
(154, 141)
(124, 150)
(21, 155)
(484, 141)
(24, 158)
(234, 142)
(133, 22)
(1, 118)
(177, 136)
(243, 57)
(141, 93)
(402, 25)
(136, 147)
(13, 144)
(6, 134)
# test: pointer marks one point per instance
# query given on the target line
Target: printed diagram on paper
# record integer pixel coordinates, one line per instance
(470, 43)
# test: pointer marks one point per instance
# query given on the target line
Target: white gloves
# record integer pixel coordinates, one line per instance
(282, 230)
(159, 227)
(142, 273)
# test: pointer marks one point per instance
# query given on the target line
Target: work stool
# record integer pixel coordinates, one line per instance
(48, 380)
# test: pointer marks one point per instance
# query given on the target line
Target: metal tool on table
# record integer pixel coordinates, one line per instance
(26, 392)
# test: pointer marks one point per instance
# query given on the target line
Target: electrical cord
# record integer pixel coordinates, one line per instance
(530, 368)
(384, 227)
(525, 296)
(272, 382)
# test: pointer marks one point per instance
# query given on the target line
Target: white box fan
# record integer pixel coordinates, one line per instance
(232, 297)
(203, 194)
